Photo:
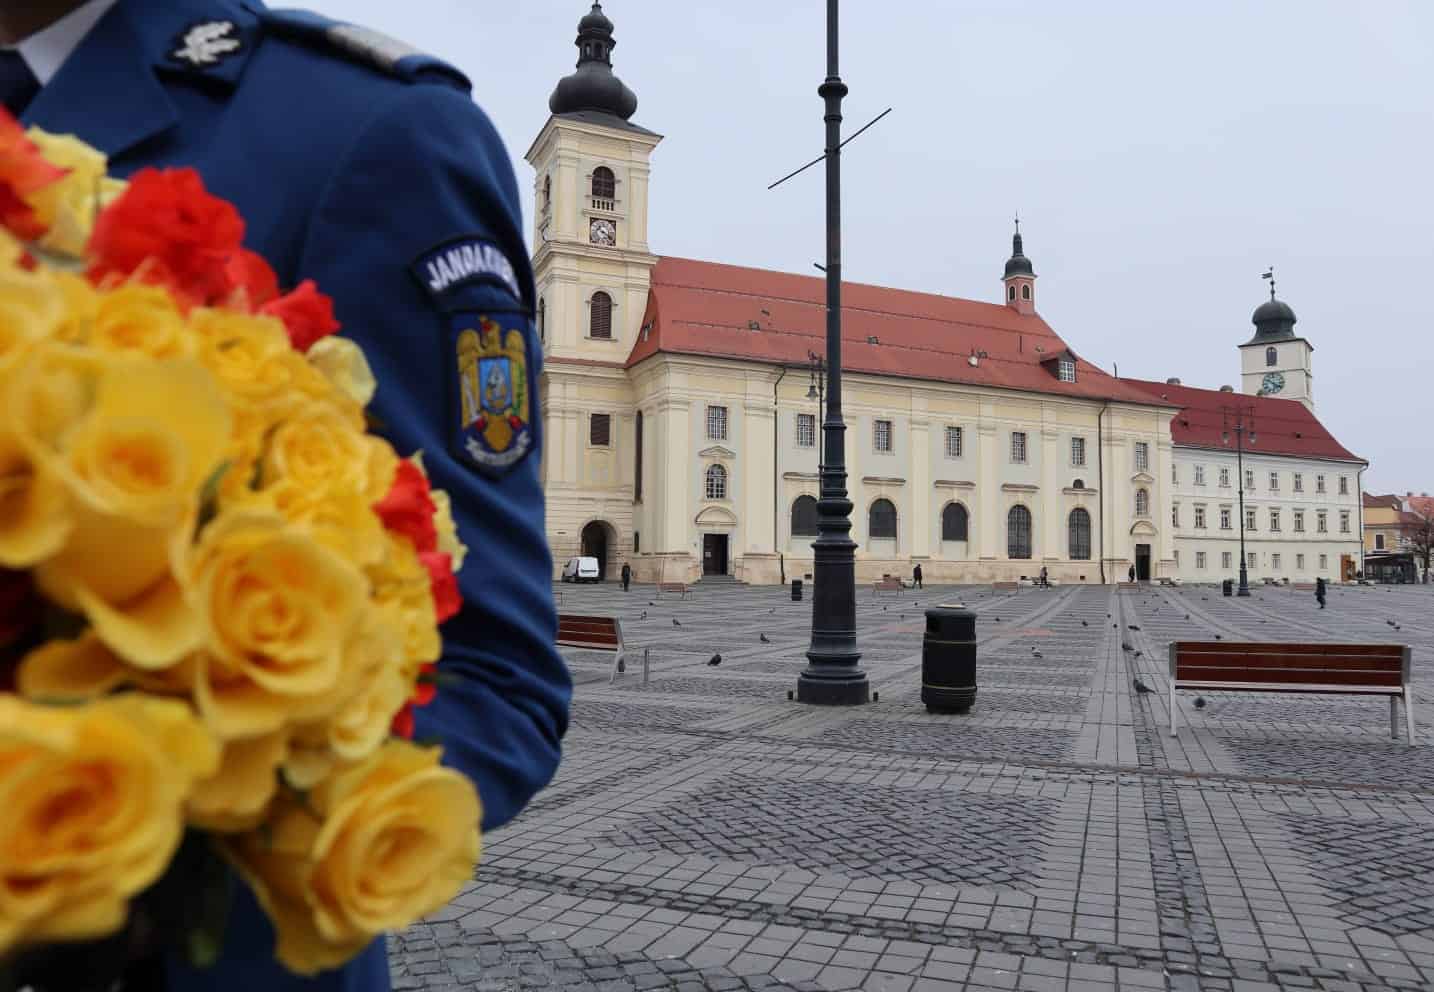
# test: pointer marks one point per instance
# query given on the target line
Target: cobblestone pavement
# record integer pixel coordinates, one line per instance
(705, 833)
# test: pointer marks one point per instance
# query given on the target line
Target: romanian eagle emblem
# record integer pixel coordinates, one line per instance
(494, 405)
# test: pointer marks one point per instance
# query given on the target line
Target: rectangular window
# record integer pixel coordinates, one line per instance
(1225, 518)
(1225, 559)
(600, 430)
(806, 430)
(1018, 447)
(953, 442)
(1174, 514)
(1323, 562)
(1078, 452)
(637, 461)
(1249, 478)
(1253, 560)
(1299, 521)
(1299, 482)
(1199, 559)
(1378, 542)
(1299, 563)
(1067, 370)
(1322, 522)
(636, 542)
(1274, 482)
(1175, 473)
(1199, 475)
(881, 435)
(1176, 554)
(1344, 485)
(1344, 521)
(1274, 520)
(1319, 483)
(1199, 518)
(1142, 456)
(716, 423)
(1225, 477)
(1250, 519)
(1275, 561)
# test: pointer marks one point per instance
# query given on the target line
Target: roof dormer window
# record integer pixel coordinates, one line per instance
(1065, 369)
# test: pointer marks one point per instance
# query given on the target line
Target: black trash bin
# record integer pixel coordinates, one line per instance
(796, 590)
(948, 659)
(1228, 587)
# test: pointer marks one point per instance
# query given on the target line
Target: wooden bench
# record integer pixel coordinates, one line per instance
(681, 588)
(1006, 586)
(1331, 669)
(886, 585)
(593, 634)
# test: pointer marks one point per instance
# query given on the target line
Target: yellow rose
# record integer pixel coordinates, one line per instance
(378, 846)
(277, 609)
(238, 794)
(81, 304)
(382, 468)
(85, 668)
(68, 207)
(250, 356)
(91, 810)
(341, 518)
(140, 319)
(448, 541)
(343, 363)
(35, 516)
(135, 472)
(31, 305)
(316, 447)
(403, 595)
(379, 689)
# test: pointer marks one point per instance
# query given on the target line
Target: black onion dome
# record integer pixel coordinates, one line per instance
(594, 86)
(1018, 264)
(1274, 319)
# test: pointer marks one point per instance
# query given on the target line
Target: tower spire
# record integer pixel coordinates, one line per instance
(593, 86)
(1020, 277)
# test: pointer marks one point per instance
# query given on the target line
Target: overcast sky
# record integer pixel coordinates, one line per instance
(1161, 155)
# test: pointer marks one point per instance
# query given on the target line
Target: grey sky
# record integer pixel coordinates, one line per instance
(1161, 155)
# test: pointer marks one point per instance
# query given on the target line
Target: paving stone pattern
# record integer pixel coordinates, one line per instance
(705, 833)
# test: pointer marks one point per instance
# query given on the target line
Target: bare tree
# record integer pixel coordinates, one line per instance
(1420, 535)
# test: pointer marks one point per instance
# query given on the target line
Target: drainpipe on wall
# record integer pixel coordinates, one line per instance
(1359, 483)
(776, 489)
(1100, 482)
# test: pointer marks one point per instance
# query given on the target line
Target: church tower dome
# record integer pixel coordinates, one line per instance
(1277, 361)
(594, 86)
(1020, 277)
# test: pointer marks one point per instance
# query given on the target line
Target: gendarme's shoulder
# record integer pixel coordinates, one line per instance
(359, 46)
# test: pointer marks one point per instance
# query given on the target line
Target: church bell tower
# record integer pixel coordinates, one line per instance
(1276, 361)
(1020, 277)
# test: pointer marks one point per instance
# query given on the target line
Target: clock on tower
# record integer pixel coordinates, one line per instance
(1272, 383)
(602, 231)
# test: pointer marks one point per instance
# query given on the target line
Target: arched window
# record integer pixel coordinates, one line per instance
(542, 321)
(604, 185)
(600, 319)
(1010, 292)
(953, 522)
(716, 482)
(1080, 535)
(881, 520)
(804, 517)
(1271, 356)
(1026, 292)
(1142, 503)
(547, 192)
(1078, 484)
(1018, 533)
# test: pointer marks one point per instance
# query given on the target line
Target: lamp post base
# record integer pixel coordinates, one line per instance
(833, 689)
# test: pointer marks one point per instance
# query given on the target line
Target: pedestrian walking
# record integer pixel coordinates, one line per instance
(1320, 591)
(1045, 578)
(916, 577)
(1132, 573)
(626, 576)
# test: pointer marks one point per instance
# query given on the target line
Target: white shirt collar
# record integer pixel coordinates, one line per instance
(45, 51)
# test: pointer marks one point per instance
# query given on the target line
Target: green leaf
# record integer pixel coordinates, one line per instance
(209, 495)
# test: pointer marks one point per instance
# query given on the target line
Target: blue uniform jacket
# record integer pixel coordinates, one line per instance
(371, 171)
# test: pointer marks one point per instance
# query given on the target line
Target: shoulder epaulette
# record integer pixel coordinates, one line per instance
(363, 45)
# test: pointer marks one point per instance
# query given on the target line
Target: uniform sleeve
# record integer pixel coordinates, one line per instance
(427, 171)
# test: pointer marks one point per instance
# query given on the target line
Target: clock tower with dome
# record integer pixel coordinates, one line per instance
(1276, 361)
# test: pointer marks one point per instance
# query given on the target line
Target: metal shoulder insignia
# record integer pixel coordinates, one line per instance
(363, 45)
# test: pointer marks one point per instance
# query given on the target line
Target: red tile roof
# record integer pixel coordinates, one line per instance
(1422, 505)
(1371, 502)
(1282, 427)
(727, 311)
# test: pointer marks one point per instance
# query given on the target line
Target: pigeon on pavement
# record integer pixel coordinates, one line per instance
(763, 638)
(1142, 687)
(1084, 624)
(715, 660)
(1133, 627)
(1199, 702)
(675, 622)
(1219, 638)
(1036, 654)
(1126, 646)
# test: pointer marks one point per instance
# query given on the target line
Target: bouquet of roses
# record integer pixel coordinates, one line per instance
(219, 594)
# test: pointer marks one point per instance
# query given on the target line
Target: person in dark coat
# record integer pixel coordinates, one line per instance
(1045, 578)
(916, 577)
(1320, 591)
(1132, 573)
(626, 576)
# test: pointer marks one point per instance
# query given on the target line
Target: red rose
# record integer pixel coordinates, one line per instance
(402, 725)
(408, 508)
(307, 314)
(446, 598)
(249, 271)
(427, 686)
(167, 223)
(23, 170)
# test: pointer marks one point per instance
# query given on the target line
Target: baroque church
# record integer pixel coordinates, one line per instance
(681, 409)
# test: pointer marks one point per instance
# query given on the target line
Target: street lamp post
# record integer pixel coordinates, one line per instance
(832, 677)
(1240, 419)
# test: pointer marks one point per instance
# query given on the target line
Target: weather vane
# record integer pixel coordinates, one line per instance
(1270, 275)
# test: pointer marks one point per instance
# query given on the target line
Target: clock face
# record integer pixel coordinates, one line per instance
(602, 232)
(1272, 383)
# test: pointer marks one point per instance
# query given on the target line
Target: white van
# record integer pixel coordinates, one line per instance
(581, 570)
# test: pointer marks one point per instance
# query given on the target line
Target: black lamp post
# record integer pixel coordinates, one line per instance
(817, 391)
(1240, 419)
(832, 677)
